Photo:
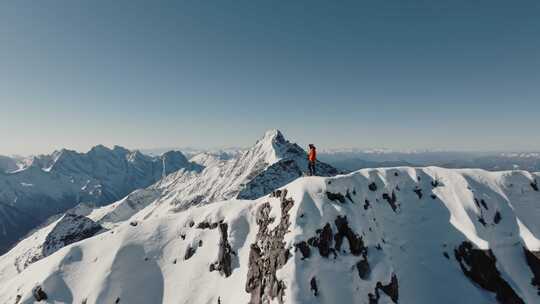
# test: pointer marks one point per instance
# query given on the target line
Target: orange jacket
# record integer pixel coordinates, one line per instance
(312, 156)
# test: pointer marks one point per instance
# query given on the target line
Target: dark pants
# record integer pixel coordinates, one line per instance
(311, 167)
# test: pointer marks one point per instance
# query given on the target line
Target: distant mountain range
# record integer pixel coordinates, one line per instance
(51, 184)
(493, 161)
(8, 164)
(352, 159)
(37, 187)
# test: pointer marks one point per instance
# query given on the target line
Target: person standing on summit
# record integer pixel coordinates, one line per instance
(312, 159)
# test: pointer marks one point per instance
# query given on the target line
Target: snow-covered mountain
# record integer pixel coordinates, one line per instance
(190, 151)
(271, 163)
(51, 184)
(500, 161)
(8, 164)
(395, 235)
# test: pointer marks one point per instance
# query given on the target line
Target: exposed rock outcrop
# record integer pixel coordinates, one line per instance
(534, 185)
(356, 243)
(207, 225)
(313, 285)
(268, 254)
(304, 249)
(323, 241)
(224, 260)
(327, 242)
(391, 199)
(480, 267)
(391, 289)
(364, 270)
(497, 217)
(533, 260)
(68, 230)
(366, 204)
(335, 197)
(39, 294)
(418, 192)
(190, 252)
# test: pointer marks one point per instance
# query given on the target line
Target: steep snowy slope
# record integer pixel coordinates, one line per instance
(52, 184)
(209, 159)
(68, 229)
(76, 224)
(396, 235)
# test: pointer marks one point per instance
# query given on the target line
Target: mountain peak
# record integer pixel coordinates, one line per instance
(271, 146)
(273, 135)
(120, 149)
(62, 155)
(174, 157)
(100, 148)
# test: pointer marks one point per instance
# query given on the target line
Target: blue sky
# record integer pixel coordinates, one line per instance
(143, 74)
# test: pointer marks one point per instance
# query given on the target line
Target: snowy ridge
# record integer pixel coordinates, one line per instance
(54, 183)
(271, 163)
(209, 159)
(396, 235)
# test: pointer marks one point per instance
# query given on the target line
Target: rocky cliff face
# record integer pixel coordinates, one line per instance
(396, 235)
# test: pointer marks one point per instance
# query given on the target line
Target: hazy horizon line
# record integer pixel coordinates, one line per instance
(197, 150)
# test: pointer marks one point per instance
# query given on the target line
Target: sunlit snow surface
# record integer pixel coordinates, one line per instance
(141, 260)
